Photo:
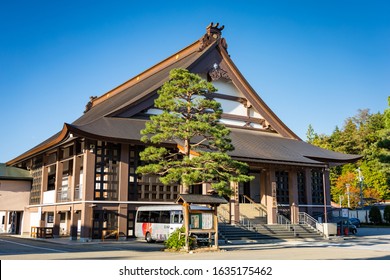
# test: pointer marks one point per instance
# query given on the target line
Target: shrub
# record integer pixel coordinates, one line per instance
(375, 215)
(386, 214)
(177, 240)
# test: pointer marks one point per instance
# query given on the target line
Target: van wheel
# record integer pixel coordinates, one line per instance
(148, 237)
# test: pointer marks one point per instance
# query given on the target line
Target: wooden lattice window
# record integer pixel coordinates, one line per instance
(301, 187)
(317, 187)
(107, 171)
(35, 193)
(282, 192)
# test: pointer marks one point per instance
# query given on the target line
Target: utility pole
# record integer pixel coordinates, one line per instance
(349, 201)
(361, 178)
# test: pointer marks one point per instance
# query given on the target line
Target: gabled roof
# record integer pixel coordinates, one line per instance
(200, 199)
(109, 116)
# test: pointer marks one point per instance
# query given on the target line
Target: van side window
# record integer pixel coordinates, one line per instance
(164, 218)
(143, 217)
(177, 217)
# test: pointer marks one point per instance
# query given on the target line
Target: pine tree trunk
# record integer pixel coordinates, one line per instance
(186, 187)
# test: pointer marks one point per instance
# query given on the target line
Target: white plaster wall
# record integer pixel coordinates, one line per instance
(35, 219)
(14, 195)
(254, 114)
(49, 197)
(227, 88)
(232, 107)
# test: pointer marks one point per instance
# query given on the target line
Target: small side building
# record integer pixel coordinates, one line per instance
(15, 185)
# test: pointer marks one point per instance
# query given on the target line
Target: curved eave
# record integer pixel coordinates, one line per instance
(281, 162)
(54, 140)
(256, 101)
(97, 136)
(337, 161)
(119, 130)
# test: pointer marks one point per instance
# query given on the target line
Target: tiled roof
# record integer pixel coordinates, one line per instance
(13, 173)
(201, 199)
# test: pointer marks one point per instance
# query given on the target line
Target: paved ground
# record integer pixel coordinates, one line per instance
(368, 244)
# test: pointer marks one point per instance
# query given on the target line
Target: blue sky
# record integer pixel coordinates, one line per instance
(313, 62)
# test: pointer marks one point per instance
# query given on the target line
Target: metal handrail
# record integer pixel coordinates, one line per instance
(306, 219)
(282, 220)
(246, 222)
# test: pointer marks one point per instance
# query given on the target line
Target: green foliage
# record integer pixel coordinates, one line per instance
(368, 135)
(386, 214)
(176, 240)
(191, 119)
(375, 215)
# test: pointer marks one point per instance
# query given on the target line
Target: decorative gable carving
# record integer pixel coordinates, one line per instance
(216, 72)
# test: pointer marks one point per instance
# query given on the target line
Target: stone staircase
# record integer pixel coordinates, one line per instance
(253, 227)
(261, 233)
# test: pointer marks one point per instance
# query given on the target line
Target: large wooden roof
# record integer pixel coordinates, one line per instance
(114, 116)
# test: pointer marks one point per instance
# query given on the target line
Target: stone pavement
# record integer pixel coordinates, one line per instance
(368, 244)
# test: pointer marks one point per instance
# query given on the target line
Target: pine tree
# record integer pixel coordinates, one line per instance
(190, 119)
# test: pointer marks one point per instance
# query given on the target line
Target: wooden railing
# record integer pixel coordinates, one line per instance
(112, 234)
(41, 232)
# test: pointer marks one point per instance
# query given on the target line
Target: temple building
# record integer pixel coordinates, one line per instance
(84, 182)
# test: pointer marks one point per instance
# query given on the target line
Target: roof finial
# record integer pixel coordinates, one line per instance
(213, 33)
(214, 30)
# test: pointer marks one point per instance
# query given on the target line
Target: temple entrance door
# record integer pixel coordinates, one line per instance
(131, 223)
(105, 223)
(97, 225)
(251, 189)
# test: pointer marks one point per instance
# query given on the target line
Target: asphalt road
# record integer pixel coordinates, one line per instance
(368, 244)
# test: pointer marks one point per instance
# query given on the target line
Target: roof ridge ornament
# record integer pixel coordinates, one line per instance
(90, 103)
(214, 30)
(213, 33)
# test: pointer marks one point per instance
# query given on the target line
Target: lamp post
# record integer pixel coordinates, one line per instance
(349, 201)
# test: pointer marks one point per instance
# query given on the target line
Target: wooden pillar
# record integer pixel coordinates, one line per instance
(234, 207)
(124, 173)
(75, 176)
(58, 188)
(122, 216)
(56, 223)
(88, 195)
(123, 188)
(326, 185)
(58, 182)
(73, 224)
(215, 221)
(271, 197)
(86, 222)
(186, 213)
(293, 196)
